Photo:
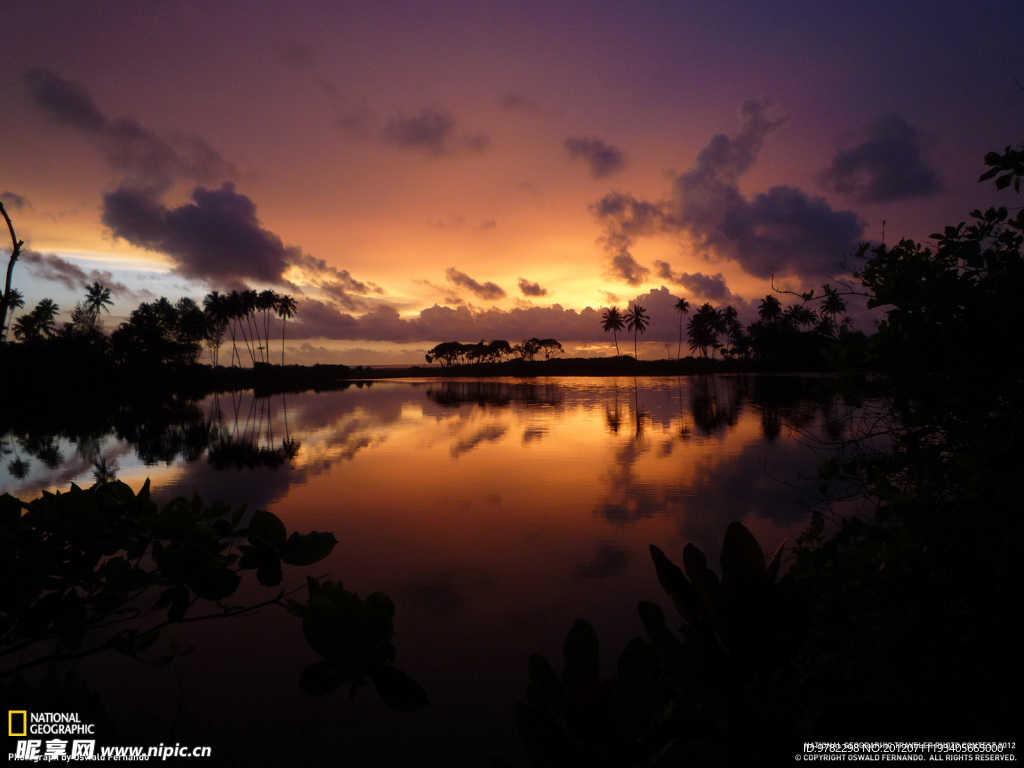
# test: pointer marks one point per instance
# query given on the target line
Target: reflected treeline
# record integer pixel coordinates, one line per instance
(246, 438)
(237, 430)
(712, 404)
(494, 393)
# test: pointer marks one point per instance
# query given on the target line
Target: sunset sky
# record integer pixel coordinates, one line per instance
(417, 172)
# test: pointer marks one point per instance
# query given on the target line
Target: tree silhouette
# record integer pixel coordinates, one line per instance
(637, 321)
(769, 309)
(285, 309)
(5, 298)
(612, 321)
(97, 299)
(14, 301)
(703, 329)
(683, 308)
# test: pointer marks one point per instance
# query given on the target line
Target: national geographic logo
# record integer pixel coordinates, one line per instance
(20, 723)
(17, 722)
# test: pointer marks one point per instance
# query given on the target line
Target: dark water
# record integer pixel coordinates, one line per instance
(493, 512)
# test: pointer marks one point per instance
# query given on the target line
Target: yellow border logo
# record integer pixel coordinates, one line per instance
(10, 722)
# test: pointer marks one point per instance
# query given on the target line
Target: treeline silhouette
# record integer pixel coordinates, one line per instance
(451, 353)
(896, 624)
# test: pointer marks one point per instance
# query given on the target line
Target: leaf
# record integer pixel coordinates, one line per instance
(544, 687)
(678, 587)
(397, 690)
(267, 527)
(581, 654)
(741, 554)
(309, 548)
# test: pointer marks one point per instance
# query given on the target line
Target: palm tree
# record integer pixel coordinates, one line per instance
(769, 309)
(215, 308)
(285, 309)
(14, 301)
(612, 321)
(97, 299)
(265, 302)
(43, 316)
(637, 321)
(703, 329)
(683, 308)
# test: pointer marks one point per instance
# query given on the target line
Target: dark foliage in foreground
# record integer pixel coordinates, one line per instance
(903, 624)
(106, 570)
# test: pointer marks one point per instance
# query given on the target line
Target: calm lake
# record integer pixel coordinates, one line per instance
(493, 513)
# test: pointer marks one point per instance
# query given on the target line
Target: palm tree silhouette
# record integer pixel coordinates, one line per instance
(637, 321)
(683, 308)
(769, 309)
(285, 309)
(44, 314)
(612, 321)
(97, 299)
(15, 301)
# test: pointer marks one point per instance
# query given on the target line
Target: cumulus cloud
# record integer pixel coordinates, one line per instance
(318, 319)
(487, 291)
(886, 165)
(50, 267)
(625, 218)
(218, 237)
(531, 289)
(782, 231)
(603, 159)
(710, 287)
(147, 158)
(433, 132)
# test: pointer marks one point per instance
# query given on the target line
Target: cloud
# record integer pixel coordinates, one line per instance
(218, 237)
(531, 289)
(603, 159)
(487, 291)
(433, 132)
(128, 147)
(458, 221)
(783, 231)
(885, 166)
(625, 218)
(712, 288)
(14, 200)
(51, 267)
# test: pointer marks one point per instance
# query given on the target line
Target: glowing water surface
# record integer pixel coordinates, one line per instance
(493, 512)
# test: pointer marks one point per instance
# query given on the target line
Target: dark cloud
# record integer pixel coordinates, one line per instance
(50, 267)
(782, 231)
(710, 287)
(531, 289)
(458, 221)
(318, 319)
(626, 218)
(488, 291)
(603, 159)
(517, 101)
(14, 200)
(148, 159)
(64, 102)
(217, 237)
(887, 165)
(433, 132)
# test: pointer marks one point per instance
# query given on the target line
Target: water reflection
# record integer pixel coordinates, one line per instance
(494, 512)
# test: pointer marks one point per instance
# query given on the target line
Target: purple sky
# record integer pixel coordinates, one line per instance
(418, 172)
